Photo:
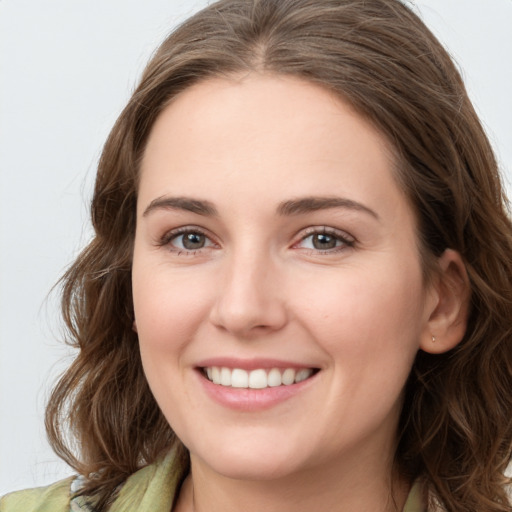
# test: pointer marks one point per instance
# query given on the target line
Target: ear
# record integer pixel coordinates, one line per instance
(134, 326)
(447, 305)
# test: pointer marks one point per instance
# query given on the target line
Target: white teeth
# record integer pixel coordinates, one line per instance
(225, 377)
(239, 378)
(256, 379)
(288, 376)
(274, 378)
(215, 375)
(303, 374)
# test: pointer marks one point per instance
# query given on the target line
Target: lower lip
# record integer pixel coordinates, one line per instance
(246, 399)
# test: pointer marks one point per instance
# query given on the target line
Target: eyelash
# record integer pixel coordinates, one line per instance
(346, 241)
(167, 239)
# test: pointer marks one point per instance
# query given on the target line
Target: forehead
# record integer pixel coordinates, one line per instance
(264, 135)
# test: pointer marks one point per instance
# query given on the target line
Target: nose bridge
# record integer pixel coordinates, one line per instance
(249, 298)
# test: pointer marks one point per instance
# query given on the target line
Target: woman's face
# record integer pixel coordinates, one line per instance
(275, 255)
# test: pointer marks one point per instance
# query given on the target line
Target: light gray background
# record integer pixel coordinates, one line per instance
(66, 69)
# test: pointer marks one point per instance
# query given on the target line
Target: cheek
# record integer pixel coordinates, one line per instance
(366, 317)
(169, 312)
(168, 308)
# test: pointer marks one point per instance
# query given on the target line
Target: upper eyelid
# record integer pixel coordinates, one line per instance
(173, 233)
(312, 230)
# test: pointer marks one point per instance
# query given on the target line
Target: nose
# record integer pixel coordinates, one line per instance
(250, 298)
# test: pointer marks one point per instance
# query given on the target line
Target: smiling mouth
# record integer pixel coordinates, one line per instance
(256, 379)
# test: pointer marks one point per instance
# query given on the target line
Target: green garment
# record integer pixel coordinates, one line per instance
(152, 489)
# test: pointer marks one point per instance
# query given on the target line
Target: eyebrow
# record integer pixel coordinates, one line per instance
(198, 206)
(311, 204)
(286, 208)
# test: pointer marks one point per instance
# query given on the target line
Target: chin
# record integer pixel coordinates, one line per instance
(249, 464)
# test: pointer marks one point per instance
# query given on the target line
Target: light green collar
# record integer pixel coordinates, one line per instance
(415, 500)
(151, 489)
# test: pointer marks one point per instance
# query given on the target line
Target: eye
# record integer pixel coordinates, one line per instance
(187, 240)
(325, 240)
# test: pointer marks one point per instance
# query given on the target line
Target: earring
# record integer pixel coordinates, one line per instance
(433, 338)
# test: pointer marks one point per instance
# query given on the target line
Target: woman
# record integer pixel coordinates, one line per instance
(299, 290)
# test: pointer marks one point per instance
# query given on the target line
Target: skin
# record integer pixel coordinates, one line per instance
(260, 288)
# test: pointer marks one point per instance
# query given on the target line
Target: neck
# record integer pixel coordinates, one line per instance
(355, 487)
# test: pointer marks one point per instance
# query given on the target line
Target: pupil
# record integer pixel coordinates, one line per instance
(323, 241)
(193, 241)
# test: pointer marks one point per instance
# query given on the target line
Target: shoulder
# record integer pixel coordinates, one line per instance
(152, 488)
(53, 498)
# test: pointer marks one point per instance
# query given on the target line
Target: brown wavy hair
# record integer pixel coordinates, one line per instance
(456, 423)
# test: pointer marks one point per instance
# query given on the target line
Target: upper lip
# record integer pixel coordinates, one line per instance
(252, 364)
